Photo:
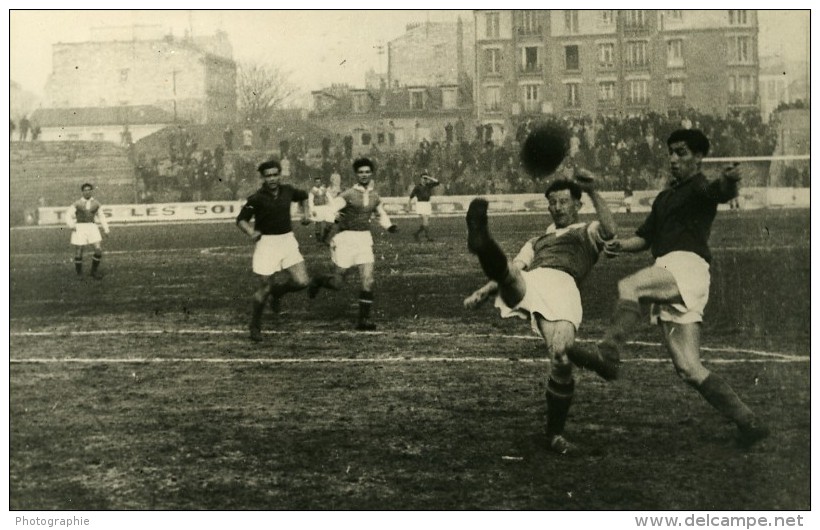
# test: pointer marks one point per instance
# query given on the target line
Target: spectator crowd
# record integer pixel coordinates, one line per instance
(625, 152)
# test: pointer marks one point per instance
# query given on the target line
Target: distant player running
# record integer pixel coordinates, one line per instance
(321, 214)
(83, 217)
(541, 284)
(421, 196)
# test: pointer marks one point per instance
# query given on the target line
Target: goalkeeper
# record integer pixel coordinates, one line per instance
(541, 284)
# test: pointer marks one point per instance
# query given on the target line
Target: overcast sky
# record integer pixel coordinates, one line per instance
(316, 47)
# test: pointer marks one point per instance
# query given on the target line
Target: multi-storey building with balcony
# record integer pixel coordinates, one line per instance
(532, 63)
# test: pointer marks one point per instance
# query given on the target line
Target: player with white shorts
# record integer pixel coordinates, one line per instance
(275, 247)
(677, 232)
(83, 217)
(420, 203)
(541, 284)
(352, 246)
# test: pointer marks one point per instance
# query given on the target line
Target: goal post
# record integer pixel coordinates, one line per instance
(768, 181)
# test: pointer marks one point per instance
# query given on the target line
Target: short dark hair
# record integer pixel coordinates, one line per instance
(363, 161)
(695, 140)
(87, 185)
(564, 184)
(269, 164)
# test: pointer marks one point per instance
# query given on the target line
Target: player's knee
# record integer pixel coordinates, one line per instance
(691, 375)
(628, 289)
(561, 368)
(261, 295)
(300, 283)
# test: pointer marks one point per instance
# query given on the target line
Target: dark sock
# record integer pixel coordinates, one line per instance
(590, 358)
(258, 309)
(78, 265)
(717, 392)
(365, 303)
(492, 259)
(95, 261)
(626, 316)
(560, 388)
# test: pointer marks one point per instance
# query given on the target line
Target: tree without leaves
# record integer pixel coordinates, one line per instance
(262, 89)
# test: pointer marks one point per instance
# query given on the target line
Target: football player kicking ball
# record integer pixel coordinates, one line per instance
(276, 249)
(352, 246)
(677, 233)
(541, 283)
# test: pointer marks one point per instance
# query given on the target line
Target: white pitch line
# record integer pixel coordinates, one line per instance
(243, 250)
(412, 334)
(341, 360)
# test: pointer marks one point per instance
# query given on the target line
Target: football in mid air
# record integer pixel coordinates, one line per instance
(543, 150)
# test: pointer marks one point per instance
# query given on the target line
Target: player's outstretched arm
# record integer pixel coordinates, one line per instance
(477, 298)
(617, 246)
(586, 181)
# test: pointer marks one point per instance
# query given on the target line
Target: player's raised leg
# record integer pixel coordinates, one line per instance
(479, 242)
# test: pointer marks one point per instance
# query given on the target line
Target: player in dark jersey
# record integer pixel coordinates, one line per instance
(422, 193)
(677, 285)
(275, 248)
(541, 283)
(82, 218)
(352, 245)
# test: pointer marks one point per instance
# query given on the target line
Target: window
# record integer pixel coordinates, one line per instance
(571, 21)
(359, 102)
(531, 101)
(529, 23)
(493, 60)
(635, 19)
(738, 17)
(572, 61)
(573, 95)
(637, 91)
(449, 98)
(607, 17)
(366, 137)
(492, 98)
(636, 54)
(380, 138)
(740, 50)
(493, 25)
(741, 89)
(674, 53)
(606, 91)
(606, 55)
(529, 59)
(675, 88)
(124, 75)
(417, 100)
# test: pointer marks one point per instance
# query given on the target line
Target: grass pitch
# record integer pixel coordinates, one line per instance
(142, 391)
